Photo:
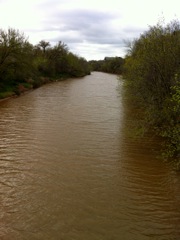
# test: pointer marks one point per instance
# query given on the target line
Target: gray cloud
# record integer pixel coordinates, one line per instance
(82, 28)
(78, 20)
(96, 26)
(86, 25)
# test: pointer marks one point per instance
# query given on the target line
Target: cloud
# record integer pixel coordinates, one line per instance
(81, 28)
(90, 28)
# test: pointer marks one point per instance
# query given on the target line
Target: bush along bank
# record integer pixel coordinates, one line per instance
(24, 66)
(152, 79)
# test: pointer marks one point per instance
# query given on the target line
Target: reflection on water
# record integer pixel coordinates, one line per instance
(69, 171)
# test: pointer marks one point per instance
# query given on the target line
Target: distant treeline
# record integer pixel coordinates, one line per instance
(109, 65)
(152, 81)
(24, 66)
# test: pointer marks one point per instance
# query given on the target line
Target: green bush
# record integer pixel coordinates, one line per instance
(151, 73)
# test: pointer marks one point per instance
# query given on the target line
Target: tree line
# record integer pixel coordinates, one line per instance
(108, 65)
(152, 80)
(24, 65)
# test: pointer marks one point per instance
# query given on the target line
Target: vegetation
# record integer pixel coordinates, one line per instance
(151, 70)
(24, 66)
(152, 79)
(109, 65)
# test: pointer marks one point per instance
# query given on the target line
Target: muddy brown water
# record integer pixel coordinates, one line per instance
(69, 170)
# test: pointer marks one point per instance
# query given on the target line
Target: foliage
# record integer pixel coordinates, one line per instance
(109, 65)
(43, 44)
(78, 66)
(170, 129)
(151, 71)
(22, 64)
(15, 57)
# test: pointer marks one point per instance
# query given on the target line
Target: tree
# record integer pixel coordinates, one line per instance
(151, 67)
(43, 44)
(77, 66)
(24, 65)
(15, 56)
(109, 65)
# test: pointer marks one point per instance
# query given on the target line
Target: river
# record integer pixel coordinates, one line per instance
(70, 171)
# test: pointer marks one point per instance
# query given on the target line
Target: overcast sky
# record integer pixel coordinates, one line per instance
(93, 29)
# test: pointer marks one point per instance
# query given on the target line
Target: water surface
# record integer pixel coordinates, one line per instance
(69, 170)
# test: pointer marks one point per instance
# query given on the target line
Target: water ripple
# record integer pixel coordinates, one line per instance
(69, 171)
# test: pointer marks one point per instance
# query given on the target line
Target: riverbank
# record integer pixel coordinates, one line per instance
(25, 66)
(152, 79)
(29, 85)
(10, 91)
